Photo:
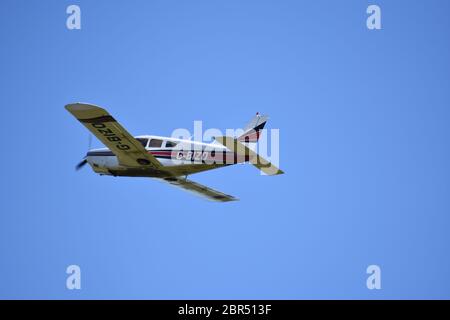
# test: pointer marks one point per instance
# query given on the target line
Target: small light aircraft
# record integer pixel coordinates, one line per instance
(168, 159)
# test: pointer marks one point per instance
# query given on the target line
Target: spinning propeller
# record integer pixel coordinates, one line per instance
(84, 161)
(81, 164)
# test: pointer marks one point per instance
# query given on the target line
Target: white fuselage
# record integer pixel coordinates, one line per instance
(181, 157)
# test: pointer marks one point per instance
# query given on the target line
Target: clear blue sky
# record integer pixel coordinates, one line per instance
(364, 128)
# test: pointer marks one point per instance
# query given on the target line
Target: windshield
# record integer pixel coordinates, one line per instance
(143, 141)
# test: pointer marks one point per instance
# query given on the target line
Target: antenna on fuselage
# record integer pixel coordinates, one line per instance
(89, 141)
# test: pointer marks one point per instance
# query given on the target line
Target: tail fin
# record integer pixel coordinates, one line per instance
(252, 130)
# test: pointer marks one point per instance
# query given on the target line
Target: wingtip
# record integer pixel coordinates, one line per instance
(81, 106)
(274, 173)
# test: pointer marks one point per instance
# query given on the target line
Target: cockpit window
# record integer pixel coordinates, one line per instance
(143, 141)
(155, 143)
(171, 144)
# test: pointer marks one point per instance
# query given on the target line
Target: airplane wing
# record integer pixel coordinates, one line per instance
(128, 150)
(199, 189)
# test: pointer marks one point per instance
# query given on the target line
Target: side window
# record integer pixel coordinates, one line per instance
(143, 141)
(155, 143)
(171, 144)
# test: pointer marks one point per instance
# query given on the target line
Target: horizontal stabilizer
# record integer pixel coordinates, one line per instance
(241, 149)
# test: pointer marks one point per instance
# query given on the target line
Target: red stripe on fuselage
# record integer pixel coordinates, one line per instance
(220, 157)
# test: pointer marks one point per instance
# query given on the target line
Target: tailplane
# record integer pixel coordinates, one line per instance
(255, 159)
